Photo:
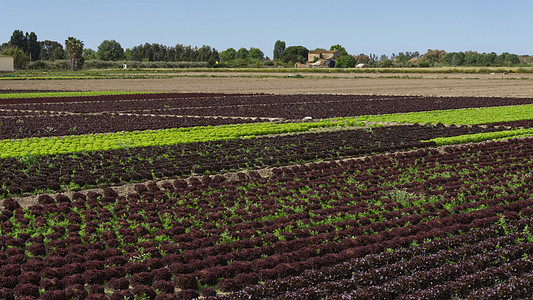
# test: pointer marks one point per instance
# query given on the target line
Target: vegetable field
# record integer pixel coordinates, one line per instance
(259, 196)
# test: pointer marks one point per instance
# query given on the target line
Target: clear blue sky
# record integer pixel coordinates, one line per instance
(379, 26)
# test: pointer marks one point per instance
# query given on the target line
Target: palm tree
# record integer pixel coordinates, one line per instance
(75, 52)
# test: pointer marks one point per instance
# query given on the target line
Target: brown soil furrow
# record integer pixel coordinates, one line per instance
(479, 86)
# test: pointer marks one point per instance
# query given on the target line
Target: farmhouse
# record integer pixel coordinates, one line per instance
(322, 54)
(320, 58)
(6, 63)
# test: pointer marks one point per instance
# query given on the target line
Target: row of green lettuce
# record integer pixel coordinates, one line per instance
(467, 116)
(97, 142)
(481, 137)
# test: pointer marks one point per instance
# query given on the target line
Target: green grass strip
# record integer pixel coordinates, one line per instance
(468, 116)
(98, 142)
(480, 137)
(66, 94)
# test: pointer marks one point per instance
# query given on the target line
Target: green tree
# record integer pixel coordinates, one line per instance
(339, 48)
(228, 54)
(385, 63)
(434, 56)
(48, 50)
(256, 53)
(59, 53)
(279, 47)
(509, 59)
(89, 53)
(211, 62)
(345, 61)
(454, 59)
(34, 49)
(242, 53)
(471, 58)
(402, 59)
(110, 50)
(205, 52)
(75, 51)
(294, 54)
(138, 52)
(127, 54)
(18, 39)
(27, 43)
(20, 59)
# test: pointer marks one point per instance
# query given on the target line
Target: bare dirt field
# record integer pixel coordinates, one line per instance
(503, 85)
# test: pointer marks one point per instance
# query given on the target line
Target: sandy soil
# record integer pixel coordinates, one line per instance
(361, 75)
(503, 85)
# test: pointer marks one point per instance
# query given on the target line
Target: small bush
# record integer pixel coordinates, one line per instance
(423, 64)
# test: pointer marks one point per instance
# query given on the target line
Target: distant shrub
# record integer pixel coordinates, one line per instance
(38, 65)
(386, 63)
(101, 64)
(345, 61)
(423, 64)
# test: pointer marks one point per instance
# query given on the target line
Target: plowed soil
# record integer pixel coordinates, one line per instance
(487, 85)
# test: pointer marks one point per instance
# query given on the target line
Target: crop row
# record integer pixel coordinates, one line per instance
(458, 262)
(129, 164)
(106, 97)
(468, 116)
(483, 136)
(271, 106)
(45, 94)
(515, 124)
(171, 136)
(188, 235)
(38, 125)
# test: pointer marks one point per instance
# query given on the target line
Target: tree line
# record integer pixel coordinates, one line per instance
(158, 52)
(25, 48)
(294, 54)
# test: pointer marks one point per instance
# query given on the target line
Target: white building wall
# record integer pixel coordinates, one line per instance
(6, 63)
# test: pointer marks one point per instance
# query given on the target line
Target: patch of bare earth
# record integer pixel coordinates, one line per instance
(480, 86)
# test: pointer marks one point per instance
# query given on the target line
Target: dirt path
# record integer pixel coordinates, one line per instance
(399, 75)
(481, 85)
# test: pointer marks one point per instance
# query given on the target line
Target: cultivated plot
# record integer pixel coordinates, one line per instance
(226, 196)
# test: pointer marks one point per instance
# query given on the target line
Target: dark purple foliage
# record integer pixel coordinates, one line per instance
(120, 283)
(164, 286)
(10, 204)
(94, 276)
(26, 289)
(54, 295)
(122, 295)
(141, 278)
(96, 289)
(76, 291)
(161, 274)
(208, 292)
(144, 292)
(186, 281)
